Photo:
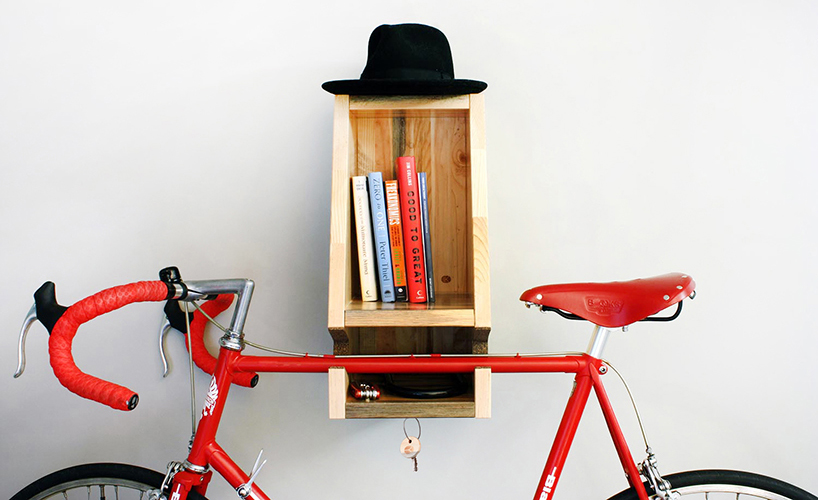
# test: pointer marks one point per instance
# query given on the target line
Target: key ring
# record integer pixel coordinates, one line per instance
(404, 429)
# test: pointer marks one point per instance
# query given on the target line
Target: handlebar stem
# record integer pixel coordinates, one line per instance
(243, 288)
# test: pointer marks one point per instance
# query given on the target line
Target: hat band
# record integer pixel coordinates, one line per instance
(405, 74)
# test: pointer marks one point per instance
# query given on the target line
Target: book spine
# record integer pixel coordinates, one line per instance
(396, 240)
(412, 234)
(363, 230)
(380, 229)
(427, 236)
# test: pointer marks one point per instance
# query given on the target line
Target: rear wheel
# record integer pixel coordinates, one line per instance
(724, 484)
(98, 481)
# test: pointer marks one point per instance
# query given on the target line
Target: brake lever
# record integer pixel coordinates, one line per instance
(174, 318)
(163, 333)
(47, 311)
(31, 317)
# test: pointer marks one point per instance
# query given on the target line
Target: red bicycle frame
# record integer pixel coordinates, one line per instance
(206, 452)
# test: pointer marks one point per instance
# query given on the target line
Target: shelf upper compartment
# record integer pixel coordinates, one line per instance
(446, 135)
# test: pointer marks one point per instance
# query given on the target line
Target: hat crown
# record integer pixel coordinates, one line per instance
(408, 51)
(407, 59)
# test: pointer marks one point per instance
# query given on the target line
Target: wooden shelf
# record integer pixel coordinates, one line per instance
(446, 135)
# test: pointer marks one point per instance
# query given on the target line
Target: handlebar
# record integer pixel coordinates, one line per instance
(63, 322)
(65, 328)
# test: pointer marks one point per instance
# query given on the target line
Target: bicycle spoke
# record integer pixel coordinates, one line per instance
(101, 482)
(729, 492)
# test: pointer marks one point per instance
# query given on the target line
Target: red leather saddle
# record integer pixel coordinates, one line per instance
(615, 304)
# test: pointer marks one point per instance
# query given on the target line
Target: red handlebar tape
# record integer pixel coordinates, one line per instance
(201, 356)
(62, 336)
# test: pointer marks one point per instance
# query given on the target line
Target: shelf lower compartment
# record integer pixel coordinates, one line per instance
(458, 407)
(475, 403)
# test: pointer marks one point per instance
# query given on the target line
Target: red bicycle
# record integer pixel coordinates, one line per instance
(607, 306)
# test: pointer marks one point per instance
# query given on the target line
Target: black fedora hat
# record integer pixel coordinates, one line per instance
(407, 59)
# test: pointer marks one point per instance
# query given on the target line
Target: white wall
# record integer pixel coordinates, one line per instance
(625, 139)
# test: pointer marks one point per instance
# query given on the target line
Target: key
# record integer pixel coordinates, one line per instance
(409, 448)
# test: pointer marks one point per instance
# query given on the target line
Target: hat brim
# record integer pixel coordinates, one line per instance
(404, 87)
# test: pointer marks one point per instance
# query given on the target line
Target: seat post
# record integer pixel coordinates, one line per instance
(598, 340)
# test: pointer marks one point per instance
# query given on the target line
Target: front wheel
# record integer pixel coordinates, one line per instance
(115, 481)
(723, 484)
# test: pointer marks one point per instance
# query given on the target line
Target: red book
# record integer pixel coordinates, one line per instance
(407, 176)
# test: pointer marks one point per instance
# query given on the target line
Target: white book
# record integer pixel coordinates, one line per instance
(366, 245)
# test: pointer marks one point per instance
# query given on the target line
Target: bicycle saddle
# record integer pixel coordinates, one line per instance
(614, 304)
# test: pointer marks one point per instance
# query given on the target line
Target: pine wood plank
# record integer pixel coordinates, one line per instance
(448, 205)
(373, 103)
(482, 392)
(340, 211)
(448, 310)
(372, 136)
(479, 213)
(410, 318)
(460, 408)
(337, 382)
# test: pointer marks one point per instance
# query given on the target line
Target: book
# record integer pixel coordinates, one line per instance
(427, 236)
(407, 176)
(380, 231)
(363, 231)
(396, 240)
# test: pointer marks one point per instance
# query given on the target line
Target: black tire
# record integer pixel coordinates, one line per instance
(115, 480)
(694, 484)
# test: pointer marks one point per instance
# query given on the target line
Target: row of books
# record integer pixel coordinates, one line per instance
(392, 229)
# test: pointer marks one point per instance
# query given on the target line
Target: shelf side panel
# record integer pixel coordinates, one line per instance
(339, 289)
(479, 213)
(338, 382)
